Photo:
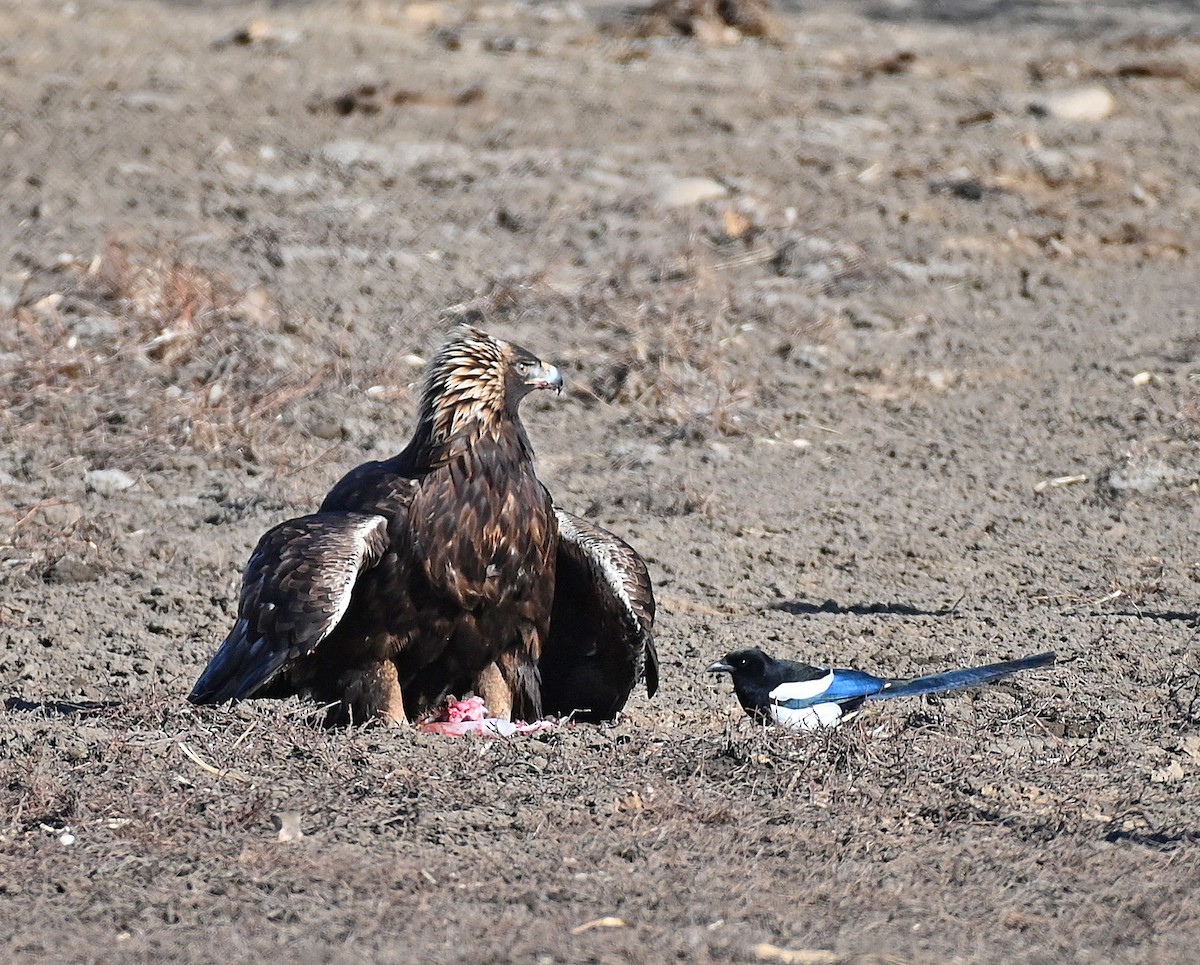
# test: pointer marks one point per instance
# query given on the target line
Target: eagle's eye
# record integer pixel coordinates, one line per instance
(523, 366)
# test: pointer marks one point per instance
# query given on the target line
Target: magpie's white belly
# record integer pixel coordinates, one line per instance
(813, 717)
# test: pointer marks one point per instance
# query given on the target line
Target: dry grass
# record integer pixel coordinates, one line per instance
(681, 366)
(709, 21)
(685, 344)
(648, 826)
(137, 350)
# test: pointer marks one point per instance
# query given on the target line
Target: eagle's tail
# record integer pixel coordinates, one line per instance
(239, 667)
(959, 679)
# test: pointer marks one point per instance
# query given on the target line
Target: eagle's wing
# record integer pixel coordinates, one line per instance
(601, 641)
(296, 588)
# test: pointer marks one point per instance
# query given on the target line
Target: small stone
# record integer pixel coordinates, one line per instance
(256, 306)
(1171, 774)
(351, 153)
(425, 14)
(1057, 167)
(1083, 104)
(288, 825)
(106, 482)
(149, 100)
(685, 192)
(71, 569)
(929, 272)
(327, 428)
(48, 304)
(719, 452)
(96, 327)
(286, 185)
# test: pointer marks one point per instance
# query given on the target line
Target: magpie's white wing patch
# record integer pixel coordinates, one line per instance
(801, 690)
(798, 704)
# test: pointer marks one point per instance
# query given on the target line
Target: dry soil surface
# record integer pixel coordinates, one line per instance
(883, 339)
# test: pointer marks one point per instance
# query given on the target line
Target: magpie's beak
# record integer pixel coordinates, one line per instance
(719, 667)
(543, 376)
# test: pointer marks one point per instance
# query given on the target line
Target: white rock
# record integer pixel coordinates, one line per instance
(108, 481)
(148, 100)
(720, 452)
(1083, 104)
(288, 827)
(351, 153)
(397, 159)
(936, 269)
(96, 327)
(286, 184)
(688, 191)
(1055, 166)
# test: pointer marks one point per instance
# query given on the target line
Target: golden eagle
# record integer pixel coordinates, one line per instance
(444, 569)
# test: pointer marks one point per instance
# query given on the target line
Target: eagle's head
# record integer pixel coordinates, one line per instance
(477, 381)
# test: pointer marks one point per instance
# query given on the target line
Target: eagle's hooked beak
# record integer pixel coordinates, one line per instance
(719, 667)
(543, 376)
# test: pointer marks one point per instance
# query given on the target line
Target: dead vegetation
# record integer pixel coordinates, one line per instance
(687, 343)
(711, 21)
(137, 350)
(931, 301)
(374, 813)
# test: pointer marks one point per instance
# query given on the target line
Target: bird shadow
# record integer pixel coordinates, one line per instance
(1167, 616)
(1077, 19)
(807, 608)
(58, 708)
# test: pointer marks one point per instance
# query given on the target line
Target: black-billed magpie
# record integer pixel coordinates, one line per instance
(799, 697)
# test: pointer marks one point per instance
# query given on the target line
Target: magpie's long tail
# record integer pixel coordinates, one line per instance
(958, 679)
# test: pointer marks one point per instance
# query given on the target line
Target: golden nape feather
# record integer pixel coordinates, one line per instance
(443, 570)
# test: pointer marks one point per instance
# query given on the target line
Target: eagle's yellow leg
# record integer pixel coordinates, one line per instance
(374, 692)
(496, 694)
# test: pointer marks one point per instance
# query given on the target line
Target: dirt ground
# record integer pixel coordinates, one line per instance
(881, 351)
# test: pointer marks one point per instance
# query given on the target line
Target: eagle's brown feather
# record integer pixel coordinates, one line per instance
(296, 588)
(601, 642)
(434, 572)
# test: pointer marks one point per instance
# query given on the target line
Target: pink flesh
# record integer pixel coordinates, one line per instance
(463, 717)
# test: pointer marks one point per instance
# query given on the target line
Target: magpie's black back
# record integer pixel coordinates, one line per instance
(755, 674)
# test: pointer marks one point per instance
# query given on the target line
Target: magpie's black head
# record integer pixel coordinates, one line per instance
(742, 663)
(753, 677)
